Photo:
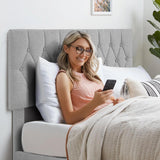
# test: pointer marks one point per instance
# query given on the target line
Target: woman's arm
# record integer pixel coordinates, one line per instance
(64, 87)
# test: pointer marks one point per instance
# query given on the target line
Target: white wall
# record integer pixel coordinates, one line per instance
(151, 62)
(58, 14)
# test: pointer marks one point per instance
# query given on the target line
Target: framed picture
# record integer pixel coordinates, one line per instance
(101, 7)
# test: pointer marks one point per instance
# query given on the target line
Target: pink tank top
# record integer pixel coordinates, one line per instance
(83, 91)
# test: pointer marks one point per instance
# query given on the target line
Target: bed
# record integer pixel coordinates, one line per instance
(24, 49)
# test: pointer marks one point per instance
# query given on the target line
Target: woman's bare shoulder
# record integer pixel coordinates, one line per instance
(62, 76)
(62, 80)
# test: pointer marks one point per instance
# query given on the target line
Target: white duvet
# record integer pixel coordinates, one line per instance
(127, 131)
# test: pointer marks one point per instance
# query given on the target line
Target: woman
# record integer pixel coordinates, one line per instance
(79, 89)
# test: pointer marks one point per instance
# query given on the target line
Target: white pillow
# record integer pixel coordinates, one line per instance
(100, 69)
(46, 98)
(121, 73)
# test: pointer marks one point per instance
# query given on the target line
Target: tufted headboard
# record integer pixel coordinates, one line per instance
(24, 48)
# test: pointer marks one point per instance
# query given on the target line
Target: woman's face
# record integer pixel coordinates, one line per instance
(78, 56)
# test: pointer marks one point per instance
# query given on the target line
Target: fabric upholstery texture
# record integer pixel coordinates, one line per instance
(25, 46)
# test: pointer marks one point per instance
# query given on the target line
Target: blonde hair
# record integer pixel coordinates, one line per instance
(89, 68)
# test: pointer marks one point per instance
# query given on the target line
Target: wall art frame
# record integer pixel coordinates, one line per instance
(101, 7)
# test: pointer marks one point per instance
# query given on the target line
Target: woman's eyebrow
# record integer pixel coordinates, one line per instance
(78, 45)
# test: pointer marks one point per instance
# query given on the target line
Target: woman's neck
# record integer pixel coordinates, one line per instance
(79, 70)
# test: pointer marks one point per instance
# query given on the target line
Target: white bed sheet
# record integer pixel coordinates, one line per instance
(45, 138)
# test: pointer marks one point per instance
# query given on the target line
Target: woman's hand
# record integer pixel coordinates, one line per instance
(118, 100)
(101, 97)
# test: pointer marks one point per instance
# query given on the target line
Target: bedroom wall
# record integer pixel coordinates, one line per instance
(55, 14)
(151, 62)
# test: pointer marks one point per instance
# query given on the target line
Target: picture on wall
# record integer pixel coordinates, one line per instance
(101, 7)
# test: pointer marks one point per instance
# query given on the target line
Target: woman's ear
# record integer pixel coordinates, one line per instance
(65, 48)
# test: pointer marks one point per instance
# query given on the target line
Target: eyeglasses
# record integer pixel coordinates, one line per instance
(81, 50)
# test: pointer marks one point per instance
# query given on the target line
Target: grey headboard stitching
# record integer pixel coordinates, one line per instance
(25, 46)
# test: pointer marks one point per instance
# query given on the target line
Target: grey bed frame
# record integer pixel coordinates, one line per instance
(24, 48)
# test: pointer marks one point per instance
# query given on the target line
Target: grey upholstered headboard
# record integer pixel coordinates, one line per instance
(24, 48)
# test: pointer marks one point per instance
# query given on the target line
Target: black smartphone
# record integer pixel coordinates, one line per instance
(110, 83)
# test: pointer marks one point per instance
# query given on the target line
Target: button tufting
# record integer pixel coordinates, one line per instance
(107, 42)
(44, 48)
(28, 49)
(21, 69)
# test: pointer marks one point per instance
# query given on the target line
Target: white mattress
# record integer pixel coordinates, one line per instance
(45, 138)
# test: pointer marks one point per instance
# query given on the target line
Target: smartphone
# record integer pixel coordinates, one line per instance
(110, 83)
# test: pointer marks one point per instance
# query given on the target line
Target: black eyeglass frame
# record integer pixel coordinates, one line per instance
(87, 52)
